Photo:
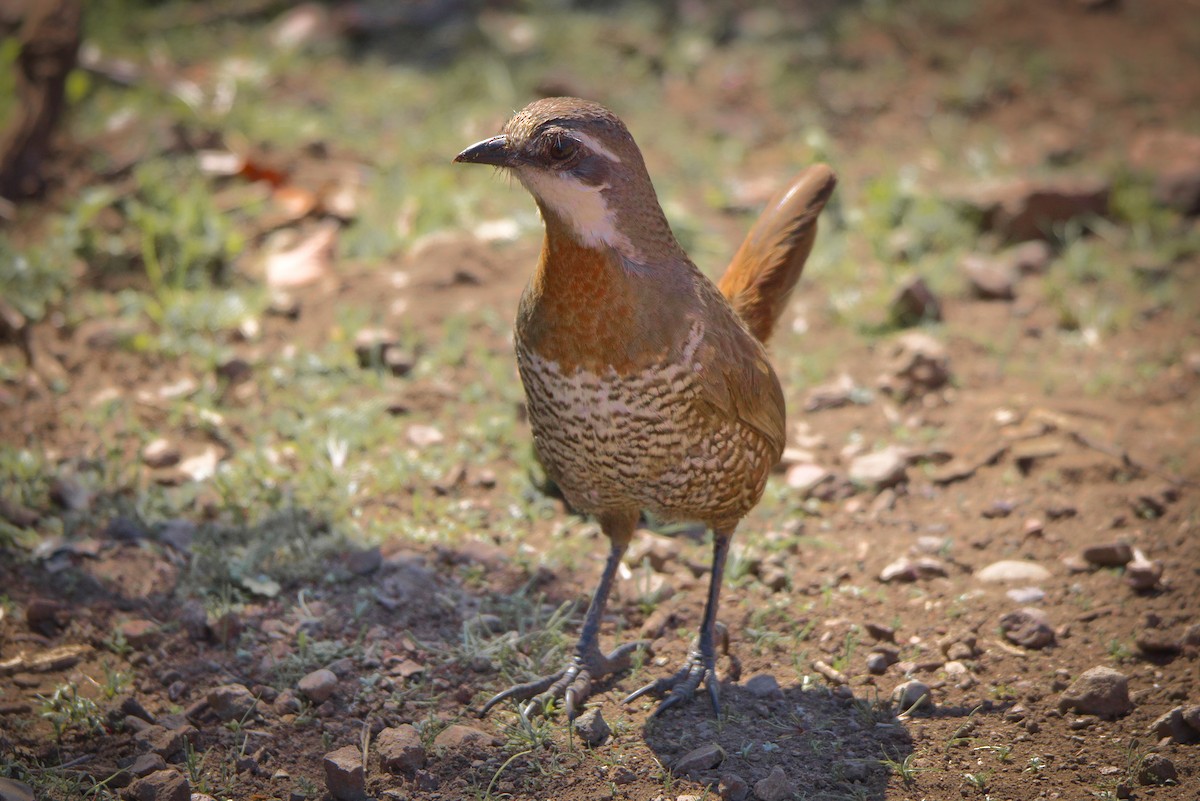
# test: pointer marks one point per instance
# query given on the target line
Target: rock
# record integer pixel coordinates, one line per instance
(989, 278)
(1157, 642)
(905, 569)
(159, 739)
(1026, 595)
(45, 616)
(69, 492)
(1179, 189)
(805, 477)
(1013, 570)
(400, 749)
(139, 633)
(319, 685)
(1108, 554)
(881, 632)
(231, 702)
(1027, 208)
(161, 785)
(1173, 159)
(1029, 258)
(287, 703)
(764, 685)
(344, 776)
(914, 303)
(1191, 716)
(912, 696)
(659, 552)
(775, 787)
(13, 790)
(733, 787)
(1141, 573)
(1028, 628)
(423, 436)
(146, 764)
(706, 757)
(124, 529)
(179, 534)
(592, 728)
(877, 663)
(1157, 769)
(914, 363)
(458, 735)
(381, 347)
(1191, 635)
(884, 468)
(1099, 691)
(1172, 724)
(161, 453)
(839, 392)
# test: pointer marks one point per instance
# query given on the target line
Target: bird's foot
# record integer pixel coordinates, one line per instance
(681, 686)
(572, 684)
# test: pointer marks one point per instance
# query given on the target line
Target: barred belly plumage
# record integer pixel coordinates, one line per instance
(644, 440)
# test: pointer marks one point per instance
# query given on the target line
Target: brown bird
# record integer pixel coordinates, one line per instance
(648, 388)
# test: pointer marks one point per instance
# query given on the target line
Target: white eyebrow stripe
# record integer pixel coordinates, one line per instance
(594, 144)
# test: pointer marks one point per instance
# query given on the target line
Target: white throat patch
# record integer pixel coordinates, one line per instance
(580, 206)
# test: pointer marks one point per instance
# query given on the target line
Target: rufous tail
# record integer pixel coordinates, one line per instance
(767, 266)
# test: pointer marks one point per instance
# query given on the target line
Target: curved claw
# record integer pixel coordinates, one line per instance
(522, 692)
(681, 686)
(573, 684)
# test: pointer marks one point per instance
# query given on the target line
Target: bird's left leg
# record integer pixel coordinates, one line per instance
(701, 665)
(573, 683)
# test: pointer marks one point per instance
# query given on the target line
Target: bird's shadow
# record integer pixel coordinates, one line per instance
(810, 740)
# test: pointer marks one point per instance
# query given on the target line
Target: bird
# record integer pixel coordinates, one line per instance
(648, 387)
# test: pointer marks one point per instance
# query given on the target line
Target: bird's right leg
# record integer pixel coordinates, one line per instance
(573, 683)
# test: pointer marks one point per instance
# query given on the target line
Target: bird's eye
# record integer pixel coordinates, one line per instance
(562, 148)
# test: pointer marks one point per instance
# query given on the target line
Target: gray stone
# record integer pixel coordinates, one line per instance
(912, 696)
(775, 787)
(733, 787)
(914, 363)
(1108, 554)
(1099, 691)
(162, 741)
(1013, 570)
(161, 453)
(905, 569)
(764, 685)
(319, 685)
(1029, 258)
(1172, 724)
(914, 303)
(1191, 716)
(879, 469)
(1026, 595)
(990, 279)
(1157, 769)
(592, 728)
(1028, 627)
(877, 663)
(400, 749)
(344, 776)
(1142, 573)
(162, 785)
(706, 757)
(231, 702)
(146, 764)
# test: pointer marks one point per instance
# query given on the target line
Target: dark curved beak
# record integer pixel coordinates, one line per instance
(494, 151)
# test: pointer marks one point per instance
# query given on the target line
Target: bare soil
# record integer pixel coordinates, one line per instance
(1118, 464)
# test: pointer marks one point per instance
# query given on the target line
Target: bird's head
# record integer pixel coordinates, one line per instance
(582, 166)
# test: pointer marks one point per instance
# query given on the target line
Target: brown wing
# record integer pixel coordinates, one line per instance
(739, 382)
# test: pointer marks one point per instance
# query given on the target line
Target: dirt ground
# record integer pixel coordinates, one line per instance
(1049, 439)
